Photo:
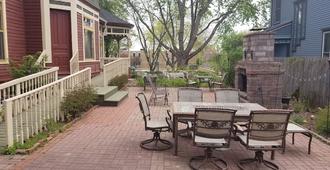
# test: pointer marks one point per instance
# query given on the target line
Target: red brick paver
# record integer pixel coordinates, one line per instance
(108, 138)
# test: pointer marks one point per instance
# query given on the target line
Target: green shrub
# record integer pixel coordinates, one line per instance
(321, 121)
(140, 81)
(27, 67)
(119, 81)
(299, 106)
(77, 101)
(173, 82)
(51, 127)
(297, 118)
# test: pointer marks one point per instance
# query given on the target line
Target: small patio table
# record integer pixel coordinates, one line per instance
(186, 110)
(204, 79)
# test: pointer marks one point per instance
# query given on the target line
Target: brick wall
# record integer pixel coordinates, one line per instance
(263, 75)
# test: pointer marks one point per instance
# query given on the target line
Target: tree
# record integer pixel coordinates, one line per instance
(151, 48)
(231, 52)
(118, 7)
(187, 21)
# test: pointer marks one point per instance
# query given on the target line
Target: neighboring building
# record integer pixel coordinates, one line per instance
(301, 27)
(61, 29)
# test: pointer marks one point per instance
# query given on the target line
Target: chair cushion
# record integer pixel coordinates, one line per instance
(293, 128)
(157, 124)
(209, 142)
(258, 143)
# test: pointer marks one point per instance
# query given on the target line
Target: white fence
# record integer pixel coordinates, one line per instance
(27, 83)
(74, 63)
(26, 114)
(115, 68)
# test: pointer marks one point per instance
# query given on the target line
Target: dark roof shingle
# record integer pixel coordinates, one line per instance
(113, 20)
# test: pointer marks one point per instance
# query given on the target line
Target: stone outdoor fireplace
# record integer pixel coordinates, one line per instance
(258, 76)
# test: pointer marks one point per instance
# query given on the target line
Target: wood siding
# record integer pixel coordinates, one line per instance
(23, 32)
(94, 65)
(33, 26)
(317, 19)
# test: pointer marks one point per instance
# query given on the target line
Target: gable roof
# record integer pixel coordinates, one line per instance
(113, 20)
(94, 3)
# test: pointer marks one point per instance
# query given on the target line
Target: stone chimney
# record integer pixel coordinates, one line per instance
(258, 75)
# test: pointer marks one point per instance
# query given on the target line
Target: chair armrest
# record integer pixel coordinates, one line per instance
(169, 123)
(169, 114)
(239, 128)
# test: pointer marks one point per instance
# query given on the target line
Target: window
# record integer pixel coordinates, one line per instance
(89, 44)
(299, 27)
(326, 44)
(276, 11)
(89, 38)
(2, 36)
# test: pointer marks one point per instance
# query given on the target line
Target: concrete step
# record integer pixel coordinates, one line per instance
(115, 99)
(105, 92)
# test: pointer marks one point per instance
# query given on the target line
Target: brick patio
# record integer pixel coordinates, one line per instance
(108, 138)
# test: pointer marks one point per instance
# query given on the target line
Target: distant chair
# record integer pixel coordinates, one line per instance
(218, 84)
(157, 93)
(265, 131)
(213, 129)
(190, 83)
(226, 95)
(156, 126)
(189, 94)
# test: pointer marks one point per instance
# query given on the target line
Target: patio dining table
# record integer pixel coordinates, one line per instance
(186, 110)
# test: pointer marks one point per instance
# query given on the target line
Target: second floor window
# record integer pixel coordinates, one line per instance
(300, 14)
(326, 44)
(276, 14)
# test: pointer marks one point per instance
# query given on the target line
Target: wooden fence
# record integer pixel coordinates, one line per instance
(309, 76)
(26, 114)
(115, 68)
(27, 83)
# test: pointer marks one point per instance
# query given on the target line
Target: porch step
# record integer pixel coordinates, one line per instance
(109, 96)
(115, 99)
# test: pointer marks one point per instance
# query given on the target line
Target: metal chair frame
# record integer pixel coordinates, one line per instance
(212, 124)
(156, 130)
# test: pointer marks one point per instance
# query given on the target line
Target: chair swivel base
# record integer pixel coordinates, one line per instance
(207, 159)
(259, 159)
(156, 143)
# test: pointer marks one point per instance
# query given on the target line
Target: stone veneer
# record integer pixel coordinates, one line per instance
(258, 75)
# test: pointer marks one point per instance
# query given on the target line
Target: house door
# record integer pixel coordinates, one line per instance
(61, 40)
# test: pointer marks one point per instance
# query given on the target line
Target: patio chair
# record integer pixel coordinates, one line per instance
(218, 84)
(265, 131)
(156, 126)
(190, 83)
(212, 130)
(188, 94)
(156, 92)
(226, 95)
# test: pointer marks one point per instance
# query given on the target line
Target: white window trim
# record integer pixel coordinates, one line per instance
(83, 37)
(5, 33)
(323, 41)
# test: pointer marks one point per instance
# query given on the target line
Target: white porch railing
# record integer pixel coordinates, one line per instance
(27, 83)
(41, 59)
(115, 68)
(26, 114)
(74, 63)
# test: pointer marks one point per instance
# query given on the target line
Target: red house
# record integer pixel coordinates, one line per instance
(70, 32)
